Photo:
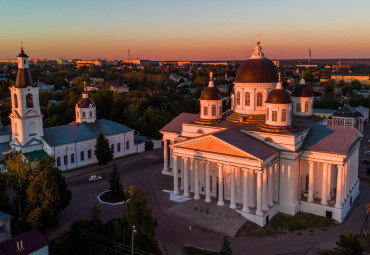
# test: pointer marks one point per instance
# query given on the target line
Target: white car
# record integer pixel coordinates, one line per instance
(367, 152)
(95, 178)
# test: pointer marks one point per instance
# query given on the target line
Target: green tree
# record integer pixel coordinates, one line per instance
(226, 248)
(47, 194)
(329, 86)
(116, 187)
(136, 213)
(95, 213)
(4, 198)
(349, 244)
(102, 150)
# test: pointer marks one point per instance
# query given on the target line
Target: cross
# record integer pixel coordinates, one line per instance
(84, 85)
(210, 75)
(258, 37)
(22, 45)
(279, 76)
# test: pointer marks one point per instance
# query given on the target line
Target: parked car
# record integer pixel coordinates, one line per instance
(95, 178)
(367, 152)
(365, 161)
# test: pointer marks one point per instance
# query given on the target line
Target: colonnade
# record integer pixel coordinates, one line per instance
(256, 185)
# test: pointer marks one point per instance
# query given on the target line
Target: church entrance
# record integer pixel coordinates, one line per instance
(223, 187)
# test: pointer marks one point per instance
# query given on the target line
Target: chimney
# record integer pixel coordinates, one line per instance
(309, 56)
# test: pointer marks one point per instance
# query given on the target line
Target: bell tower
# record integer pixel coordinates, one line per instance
(26, 117)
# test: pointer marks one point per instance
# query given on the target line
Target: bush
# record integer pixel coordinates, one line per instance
(349, 244)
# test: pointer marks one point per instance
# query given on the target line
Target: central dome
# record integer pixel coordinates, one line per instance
(261, 70)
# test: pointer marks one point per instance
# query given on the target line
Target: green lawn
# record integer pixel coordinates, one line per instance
(189, 250)
(283, 223)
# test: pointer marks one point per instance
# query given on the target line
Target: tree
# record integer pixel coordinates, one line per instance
(136, 213)
(95, 213)
(102, 150)
(116, 187)
(4, 198)
(226, 248)
(47, 194)
(349, 244)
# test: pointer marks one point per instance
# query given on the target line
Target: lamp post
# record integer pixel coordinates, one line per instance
(132, 244)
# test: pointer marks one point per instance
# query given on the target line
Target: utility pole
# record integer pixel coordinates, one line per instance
(132, 239)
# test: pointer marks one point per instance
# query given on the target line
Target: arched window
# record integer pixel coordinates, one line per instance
(112, 148)
(72, 158)
(118, 147)
(58, 161)
(29, 101)
(213, 110)
(89, 154)
(307, 182)
(127, 145)
(283, 115)
(205, 110)
(65, 160)
(238, 98)
(274, 115)
(306, 107)
(83, 115)
(82, 156)
(298, 108)
(220, 109)
(15, 101)
(90, 114)
(267, 114)
(247, 99)
(259, 99)
(78, 114)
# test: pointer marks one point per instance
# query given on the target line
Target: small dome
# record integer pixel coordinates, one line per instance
(278, 96)
(259, 70)
(302, 90)
(85, 103)
(211, 93)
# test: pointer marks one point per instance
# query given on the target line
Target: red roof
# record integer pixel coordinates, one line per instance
(32, 240)
(175, 125)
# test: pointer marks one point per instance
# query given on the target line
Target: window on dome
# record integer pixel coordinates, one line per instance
(298, 107)
(238, 98)
(29, 101)
(274, 115)
(205, 110)
(247, 99)
(15, 101)
(72, 158)
(83, 115)
(259, 99)
(58, 161)
(268, 139)
(283, 115)
(213, 110)
(306, 107)
(267, 114)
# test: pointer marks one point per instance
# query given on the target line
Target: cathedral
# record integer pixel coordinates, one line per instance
(72, 145)
(267, 154)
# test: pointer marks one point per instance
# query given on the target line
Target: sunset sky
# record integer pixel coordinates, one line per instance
(185, 30)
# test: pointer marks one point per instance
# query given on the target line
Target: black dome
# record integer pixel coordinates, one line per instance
(85, 103)
(211, 93)
(257, 71)
(302, 90)
(278, 96)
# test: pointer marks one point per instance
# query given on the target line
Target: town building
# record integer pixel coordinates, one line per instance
(97, 62)
(72, 145)
(29, 243)
(269, 153)
(5, 226)
(350, 117)
(349, 77)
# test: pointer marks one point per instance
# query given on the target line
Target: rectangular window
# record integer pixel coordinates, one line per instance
(118, 147)
(72, 158)
(58, 161)
(82, 156)
(65, 160)
(112, 148)
(2, 229)
(274, 115)
(89, 154)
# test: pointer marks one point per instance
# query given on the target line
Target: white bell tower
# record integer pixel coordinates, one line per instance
(26, 117)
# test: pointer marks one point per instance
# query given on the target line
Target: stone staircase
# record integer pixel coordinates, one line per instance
(237, 117)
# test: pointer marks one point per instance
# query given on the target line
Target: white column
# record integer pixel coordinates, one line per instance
(220, 186)
(232, 188)
(245, 191)
(186, 177)
(324, 200)
(175, 176)
(196, 182)
(338, 198)
(264, 190)
(270, 186)
(328, 191)
(251, 185)
(182, 173)
(346, 181)
(208, 184)
(311, 183)
(165, 156)
(259, 193)
(171, 154)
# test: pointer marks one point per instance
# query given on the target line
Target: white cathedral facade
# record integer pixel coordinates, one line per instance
(267, 154)
(72, 145)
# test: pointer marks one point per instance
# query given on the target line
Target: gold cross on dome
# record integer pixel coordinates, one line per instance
(258, 37)
(210, 75)
(84, 86)
(279, 76)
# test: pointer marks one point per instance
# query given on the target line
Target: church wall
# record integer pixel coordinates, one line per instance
(192, 130)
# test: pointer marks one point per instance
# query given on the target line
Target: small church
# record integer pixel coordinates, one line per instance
(72, 145)
(267, 154)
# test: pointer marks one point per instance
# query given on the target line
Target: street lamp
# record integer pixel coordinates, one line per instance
(132, 244)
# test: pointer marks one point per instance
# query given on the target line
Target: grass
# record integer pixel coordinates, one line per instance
(190, 250)
(366, 180)
(283, 223)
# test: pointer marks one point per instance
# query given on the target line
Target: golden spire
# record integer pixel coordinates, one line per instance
(210, 75)
(22, 46)
(258, 38)
(84, 86)
(279, 76)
